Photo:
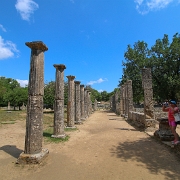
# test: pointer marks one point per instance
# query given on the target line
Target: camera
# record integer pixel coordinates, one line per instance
(165, 104)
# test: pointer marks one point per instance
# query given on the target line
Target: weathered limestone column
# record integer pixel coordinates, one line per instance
(125, 100)
(95, 105)
(113, 103)
(33, 152)
(121, 100)
(9, 106)
(77, 103)
(59, 102)
(130, 96)
(82, 102)
(148, 92)
(70, 105)
(23, 107)
(116, 96)
(148, 98)
(89, 103)
(85, 103)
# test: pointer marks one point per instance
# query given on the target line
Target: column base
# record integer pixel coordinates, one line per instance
(78, 122)
(62, 136)
(32, 158)
(83, 119)
(71, 127)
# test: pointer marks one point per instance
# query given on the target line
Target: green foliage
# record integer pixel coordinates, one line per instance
(10, 91)
(65, 93)
(49, 93)
(11, 117)
(99, 96)
(49, 132)
(164, 60)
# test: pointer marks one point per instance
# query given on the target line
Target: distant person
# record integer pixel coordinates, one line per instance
(172, 108)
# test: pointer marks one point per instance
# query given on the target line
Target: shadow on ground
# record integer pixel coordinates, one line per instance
(150, 155)
(126, 129)
(12, 150)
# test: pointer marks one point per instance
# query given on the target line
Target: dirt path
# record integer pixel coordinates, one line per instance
(104, 148)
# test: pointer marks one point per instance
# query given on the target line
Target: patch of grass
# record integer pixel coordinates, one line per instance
(47, 135)
(9, 117)
(70, 129)
(8, 122)
(48, 119)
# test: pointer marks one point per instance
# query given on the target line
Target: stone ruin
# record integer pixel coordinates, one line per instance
(33, 151)
(147, 117)
(79, 105)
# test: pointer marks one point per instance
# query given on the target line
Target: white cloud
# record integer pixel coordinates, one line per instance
(2, 28)
(7, 49)
(26, 8)
(100, 90)
(23, 83)
(145, 6)
(100, 80)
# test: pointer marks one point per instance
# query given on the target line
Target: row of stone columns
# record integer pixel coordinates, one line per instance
(126, 98)
(126, 95)
(79, 105)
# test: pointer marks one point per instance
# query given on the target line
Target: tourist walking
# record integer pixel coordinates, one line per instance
(172, 109)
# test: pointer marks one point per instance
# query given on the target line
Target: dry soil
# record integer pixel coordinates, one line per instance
(105, 147)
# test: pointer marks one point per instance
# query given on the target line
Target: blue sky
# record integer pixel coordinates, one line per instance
(89, 36)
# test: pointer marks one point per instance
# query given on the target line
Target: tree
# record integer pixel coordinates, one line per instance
(7, 85)
(16, 97)
(136, 59)
(49, 94)
(164, 60)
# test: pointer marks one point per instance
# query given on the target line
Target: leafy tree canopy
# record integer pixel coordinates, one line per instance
(164, 60)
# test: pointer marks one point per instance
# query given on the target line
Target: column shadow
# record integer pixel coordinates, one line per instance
(11, 150)
(151, 155)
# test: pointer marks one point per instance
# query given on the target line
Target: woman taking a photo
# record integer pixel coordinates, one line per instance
(172, 109)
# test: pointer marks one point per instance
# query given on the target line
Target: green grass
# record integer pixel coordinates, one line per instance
(8, 122)
(47, 136)
(10, 117)
(70, 129)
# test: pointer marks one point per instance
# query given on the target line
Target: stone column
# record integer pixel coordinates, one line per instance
(116, 96)
(77, 103)
(95, 105)
(123, 99)
(23, 107)
(85, 103)
(130, 96)
(70, 105)
(59, 102)
(9, 106)
(82, 102)
(89, 103)
(148, 92)
(113, 103)
(33, 152)
(148, 98)
(126, 99)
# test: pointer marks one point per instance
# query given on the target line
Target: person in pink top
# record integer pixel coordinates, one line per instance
(172, 109)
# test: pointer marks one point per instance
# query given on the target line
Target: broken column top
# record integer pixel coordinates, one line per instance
(59, 66)
(82, 85)
(38, 45)
(71, 77)
(77, 82)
